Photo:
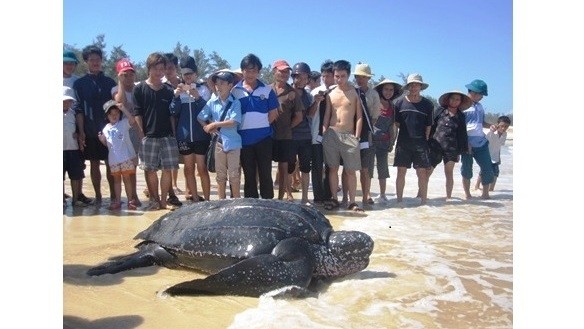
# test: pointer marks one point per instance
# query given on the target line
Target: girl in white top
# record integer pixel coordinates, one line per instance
(121, 154)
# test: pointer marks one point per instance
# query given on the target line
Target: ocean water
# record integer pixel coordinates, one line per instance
(448, 264)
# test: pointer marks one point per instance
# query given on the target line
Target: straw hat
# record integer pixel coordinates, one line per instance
(465, 103)
(363, 69)
(416, 77)
(398, 88)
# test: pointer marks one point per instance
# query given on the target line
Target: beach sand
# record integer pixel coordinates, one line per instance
(448, 264)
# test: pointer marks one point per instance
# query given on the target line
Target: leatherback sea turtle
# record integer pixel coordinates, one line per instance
(248, 246)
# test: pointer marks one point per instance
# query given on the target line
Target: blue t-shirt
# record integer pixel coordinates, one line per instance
(475, 116)
(255, 126)
(213, 111)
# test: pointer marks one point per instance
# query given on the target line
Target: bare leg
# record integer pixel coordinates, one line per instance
(189, 172)
(75, 190)
(304, 180)
(165, 186)
(204, 175)
(110, 180)
(351, 184)
(428, 174)
(283, 179)
(478, 184)
(492, 185)
(449, 174)
(95, 174)
(117, 192)
(382, 186)
(422, 174)
(152, 184)
(400, 183)
(365, 184)
(466, 187)
(130, 191)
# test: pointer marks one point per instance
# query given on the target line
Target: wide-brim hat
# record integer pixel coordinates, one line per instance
(363, 69)
(415, 77)
(236, 75)
(465, 103)
(397, 91)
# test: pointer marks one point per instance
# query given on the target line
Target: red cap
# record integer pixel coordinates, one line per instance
(281, 65)
(124, 65)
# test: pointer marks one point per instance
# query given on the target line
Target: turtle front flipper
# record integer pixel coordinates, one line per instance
(291, 263)
(148, 255)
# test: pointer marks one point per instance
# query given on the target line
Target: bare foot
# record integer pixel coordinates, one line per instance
(468, 196)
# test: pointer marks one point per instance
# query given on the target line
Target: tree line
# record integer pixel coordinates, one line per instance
(207, 64)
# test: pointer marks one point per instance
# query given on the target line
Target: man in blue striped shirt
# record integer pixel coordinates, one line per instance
(259, 108)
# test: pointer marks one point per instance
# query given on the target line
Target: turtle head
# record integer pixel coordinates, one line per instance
(347, 252)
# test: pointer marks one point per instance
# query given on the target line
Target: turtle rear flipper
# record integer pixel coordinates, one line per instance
(148, 255)
(291, 263)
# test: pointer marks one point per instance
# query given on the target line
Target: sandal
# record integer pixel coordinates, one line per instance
(354, 207)
(370, 201)
(331, 204)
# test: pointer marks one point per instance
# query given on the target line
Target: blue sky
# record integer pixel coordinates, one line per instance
(449, 42)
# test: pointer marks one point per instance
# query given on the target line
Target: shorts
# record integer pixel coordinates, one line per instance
(437, 154)
(159, 153)
(197, 147)
(337, 146)
(412, 151)
(281, 149)
(368, 158)
(127, 167)
(302, 148)
(94, 149)
(73, 164)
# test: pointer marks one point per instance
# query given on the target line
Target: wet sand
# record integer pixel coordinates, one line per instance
(448, 264)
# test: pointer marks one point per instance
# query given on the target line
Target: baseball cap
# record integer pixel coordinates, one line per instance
(109, 105)
(124, 65)
(68, 93)
(188, 65)
(69, 56)
(281, 65)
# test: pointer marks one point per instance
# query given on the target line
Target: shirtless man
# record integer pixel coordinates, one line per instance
(341, 134)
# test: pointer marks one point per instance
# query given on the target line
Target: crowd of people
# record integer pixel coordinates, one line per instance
(311, 128)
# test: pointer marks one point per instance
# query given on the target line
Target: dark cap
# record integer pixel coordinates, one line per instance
(69, 56)
(223, 75)
(109, 105)
(188, 65)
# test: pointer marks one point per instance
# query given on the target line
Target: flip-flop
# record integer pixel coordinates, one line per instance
(354, 207)
(331, 204)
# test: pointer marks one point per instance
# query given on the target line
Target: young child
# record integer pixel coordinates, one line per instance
(73, 163)
(122, 156)
(228, 146)
(497, 136)
(448, 137)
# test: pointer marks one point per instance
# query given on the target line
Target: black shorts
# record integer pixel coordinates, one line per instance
(302, 148)
(410, 151)
(73, 164)
(94, 149)
(281, 149)
(197, 147)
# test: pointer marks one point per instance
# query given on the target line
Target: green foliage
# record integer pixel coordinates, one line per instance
(206, 64)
